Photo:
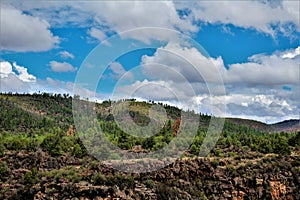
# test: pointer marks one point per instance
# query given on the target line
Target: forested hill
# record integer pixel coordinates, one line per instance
(42, 156)
(40, 114)
(20, 112)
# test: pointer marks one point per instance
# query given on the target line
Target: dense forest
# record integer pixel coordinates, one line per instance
(41, 148)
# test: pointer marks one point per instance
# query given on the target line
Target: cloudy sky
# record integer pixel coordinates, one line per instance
(204, 55)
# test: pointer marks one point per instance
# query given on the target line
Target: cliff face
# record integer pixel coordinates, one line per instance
(28, 175)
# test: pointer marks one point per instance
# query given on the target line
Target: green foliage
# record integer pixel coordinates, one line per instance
(99, 179)
(31, 121)
(150, 183)
(114, 156)
(121, 181)
(2, 149)
(52, 144)
(295, 140)
(3, 169)
(77, 151)
(30, 178)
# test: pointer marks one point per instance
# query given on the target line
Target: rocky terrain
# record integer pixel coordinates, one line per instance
(42, 157)
(36, 175)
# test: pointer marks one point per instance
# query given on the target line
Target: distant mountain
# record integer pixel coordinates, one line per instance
(291, 125)
(251, 124)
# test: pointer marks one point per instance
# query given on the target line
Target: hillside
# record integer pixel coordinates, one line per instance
(42, 156)
(292, 125)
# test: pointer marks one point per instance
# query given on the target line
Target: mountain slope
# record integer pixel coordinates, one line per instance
(42, 156)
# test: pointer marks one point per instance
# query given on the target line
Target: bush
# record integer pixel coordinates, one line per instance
(121, 181)
(52, 144)
(77, 151)
(99, 179)
(3, 169)
(150, 183)
(114, 156)
(2, 150)
(30, 178)
(15, 142)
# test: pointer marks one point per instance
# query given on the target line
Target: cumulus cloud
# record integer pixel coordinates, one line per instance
(291, 53)
(18, 81)
(118, 71)
(254, 88)
(14, 78)
(278, 68)
(262, 16)
(265, 70)
(106, 15)
(97, 33)
(262, 107)
(66, 55)
(268, 17)
(58, 86)
(6, 69)
(21, 32)
(139, 14)
(23, 75)
(61, 66)
(188, 62)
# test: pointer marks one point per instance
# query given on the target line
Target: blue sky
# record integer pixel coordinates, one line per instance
(250, 61)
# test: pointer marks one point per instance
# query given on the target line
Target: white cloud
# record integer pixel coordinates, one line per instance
(112, 16)
(5, 69)
(255, 88)
(97, 33)
(20, 81)
(291, 53)
(66, 55)
(118, 71)
(58, 86)
(258, 15)
(11, 81)
(23, 74)
(188, 62)
(21, 32)
(61, 66)
(277, 68)
(264, 16)
(138, 14)
(260, 106)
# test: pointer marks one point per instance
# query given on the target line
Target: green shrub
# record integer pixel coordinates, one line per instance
(30, 178)
(3, 169)
(2, 149)
(114, 156)
(121, 181)
(150, 183)
(52, 144)
(15, 142)
(99, 179)
(77, 151)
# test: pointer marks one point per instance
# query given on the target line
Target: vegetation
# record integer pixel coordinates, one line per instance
(43, 123)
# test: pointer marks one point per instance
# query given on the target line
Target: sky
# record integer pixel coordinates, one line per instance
(225, 58)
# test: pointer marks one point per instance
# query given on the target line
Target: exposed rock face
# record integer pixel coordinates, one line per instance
(66, 177)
